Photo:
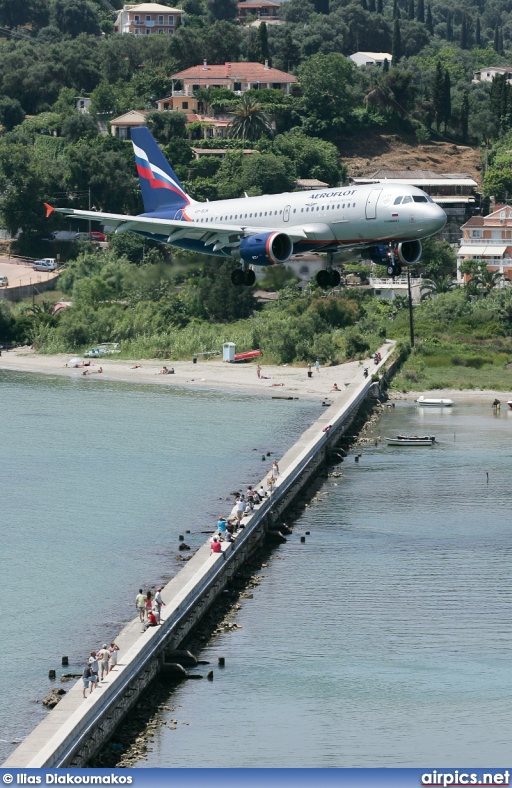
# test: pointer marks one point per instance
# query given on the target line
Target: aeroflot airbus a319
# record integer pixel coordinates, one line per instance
(385, 222)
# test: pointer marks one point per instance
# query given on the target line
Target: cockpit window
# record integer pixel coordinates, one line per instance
(406, 199)
(419, 199)
(397, 201)
(429, 198)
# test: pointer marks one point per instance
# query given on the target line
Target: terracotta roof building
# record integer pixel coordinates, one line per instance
(265, 10)
(238, 77)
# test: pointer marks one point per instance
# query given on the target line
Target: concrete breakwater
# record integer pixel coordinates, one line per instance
(76, 729)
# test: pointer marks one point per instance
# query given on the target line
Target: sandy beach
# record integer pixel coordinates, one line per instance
(275, 381)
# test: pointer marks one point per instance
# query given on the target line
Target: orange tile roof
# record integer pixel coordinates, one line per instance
(253, 72)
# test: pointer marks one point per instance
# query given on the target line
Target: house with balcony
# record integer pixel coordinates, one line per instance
(266, 10)
(238, 77)
(488, 239)
(147, 18)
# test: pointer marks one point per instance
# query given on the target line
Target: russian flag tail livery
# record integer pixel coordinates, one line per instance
(160, 187)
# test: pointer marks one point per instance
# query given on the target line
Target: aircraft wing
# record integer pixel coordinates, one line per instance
(211, 233)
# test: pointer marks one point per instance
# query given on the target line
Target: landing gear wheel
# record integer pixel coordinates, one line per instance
(398, 269)
(391, 270)
(238, 277)
(335, 278)
(249, 277)
(323, 278)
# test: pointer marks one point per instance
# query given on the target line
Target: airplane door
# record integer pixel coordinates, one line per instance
(286, 213)
(371, 203)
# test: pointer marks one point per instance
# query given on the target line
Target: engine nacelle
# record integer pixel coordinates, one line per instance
(409, 252)
(378, 254)
(266, 248)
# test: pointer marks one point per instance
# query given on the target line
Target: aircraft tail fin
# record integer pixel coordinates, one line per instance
(161, 188)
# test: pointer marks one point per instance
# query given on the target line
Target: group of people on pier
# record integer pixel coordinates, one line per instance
(227, 529)
(98, 666)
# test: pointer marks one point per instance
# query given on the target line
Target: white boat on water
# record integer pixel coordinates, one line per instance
(440, 403)
(411, 440)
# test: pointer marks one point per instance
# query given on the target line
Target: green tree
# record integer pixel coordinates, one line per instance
(267, 174)
(329, 92)
(221, 9)
(104, 99)
(485, 279)
(250, 121)
(75, 17)
(396, 48)
(11, 113)
(478, 34)
(32, 12)
(429, 23)
(313, 157)
(216, 299)
(166, 125)
(436, 286)
(263, 43)
(449, 26)
(464, 116)
(420, 11)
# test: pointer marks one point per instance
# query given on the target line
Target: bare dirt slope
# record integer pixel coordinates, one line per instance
(372, 151)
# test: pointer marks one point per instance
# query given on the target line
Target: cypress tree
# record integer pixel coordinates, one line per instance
(253, 47)
(447, 99)
(449, 26)
(396, 47)
(420, 11)
(380, 6)
(371, 6)
(364, 5)
(437, 94)
(496, 42)
(478, 34)
(429, 21)
(385, 66)
(396, 10)
(263, 43)
(464, 116)
(411, 13)
(502, 48)
(464, 33)
(289, 51)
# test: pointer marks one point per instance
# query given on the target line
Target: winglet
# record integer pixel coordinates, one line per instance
(49, 209)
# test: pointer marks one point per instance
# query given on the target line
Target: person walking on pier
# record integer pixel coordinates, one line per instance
(275, 469)
(140, 604)
(240, 508)
(103, 656)
(86, 678)
(158, 602)
(112, 660)
(148, 603)
(93, 662)
(317, 365)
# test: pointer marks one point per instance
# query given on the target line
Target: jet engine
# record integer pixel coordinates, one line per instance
(266, 248)
(409, 252)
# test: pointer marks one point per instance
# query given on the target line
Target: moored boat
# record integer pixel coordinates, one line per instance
(441, 402)
(411, 440)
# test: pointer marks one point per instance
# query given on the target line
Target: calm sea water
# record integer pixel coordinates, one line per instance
(96, 482)
(386, 639)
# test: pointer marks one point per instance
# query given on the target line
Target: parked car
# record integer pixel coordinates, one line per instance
(4, 282)
(105, 349)
(45, 264)
(95, 235)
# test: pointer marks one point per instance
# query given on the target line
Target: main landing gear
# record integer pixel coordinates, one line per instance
(241, 277)
(393, 267)
(327, 278)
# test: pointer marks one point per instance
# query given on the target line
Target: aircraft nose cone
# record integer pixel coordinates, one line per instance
(438, 219)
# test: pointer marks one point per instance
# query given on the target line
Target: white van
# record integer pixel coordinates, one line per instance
(46, 264)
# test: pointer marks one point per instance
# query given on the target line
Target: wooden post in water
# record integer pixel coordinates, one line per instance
(411, 322)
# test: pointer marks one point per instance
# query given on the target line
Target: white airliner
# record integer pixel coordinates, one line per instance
(384, 222)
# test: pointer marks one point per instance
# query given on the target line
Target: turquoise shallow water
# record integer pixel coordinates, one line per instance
(386, 639)
(96, 482)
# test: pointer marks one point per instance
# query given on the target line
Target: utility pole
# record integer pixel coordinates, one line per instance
(89, 209)
(411, 322)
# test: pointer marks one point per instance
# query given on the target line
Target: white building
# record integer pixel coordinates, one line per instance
(146, 18)
(370, 58)
(488, 74)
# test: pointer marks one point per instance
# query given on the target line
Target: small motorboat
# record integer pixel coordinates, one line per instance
(411, 440)
(440, 403)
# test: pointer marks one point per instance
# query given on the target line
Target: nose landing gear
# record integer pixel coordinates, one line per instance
(393, 268)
